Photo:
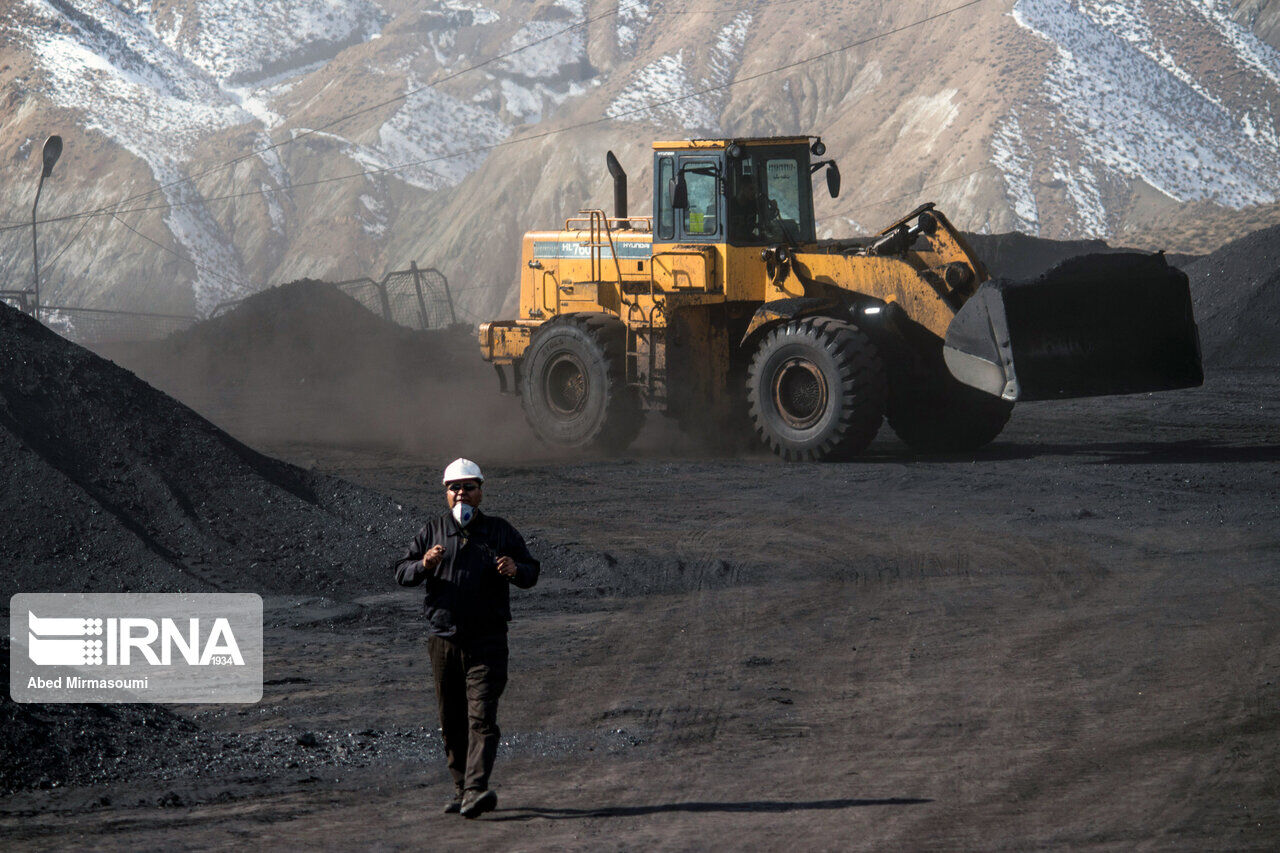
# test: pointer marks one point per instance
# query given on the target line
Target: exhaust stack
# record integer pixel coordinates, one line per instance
(619, 186)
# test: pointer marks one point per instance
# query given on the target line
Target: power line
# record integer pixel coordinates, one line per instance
(1033, 153)
(485, 148)
(49, 264)
(553, 132)
(116, 212)
(342, 118)
(585, 22)
(179, 255)
(105, 210)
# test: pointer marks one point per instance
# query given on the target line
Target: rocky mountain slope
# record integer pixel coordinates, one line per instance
(367, 133)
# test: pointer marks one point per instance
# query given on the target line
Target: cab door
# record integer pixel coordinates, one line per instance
(703, 220)
(685, 240)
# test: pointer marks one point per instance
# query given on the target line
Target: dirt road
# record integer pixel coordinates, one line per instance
(1068, 640)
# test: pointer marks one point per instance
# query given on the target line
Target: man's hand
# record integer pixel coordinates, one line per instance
(432, 558)
(506, 567)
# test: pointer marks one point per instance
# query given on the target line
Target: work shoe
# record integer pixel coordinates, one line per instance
(455, 805)
(476, 803)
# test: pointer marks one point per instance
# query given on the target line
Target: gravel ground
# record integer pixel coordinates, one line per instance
(1065, 640)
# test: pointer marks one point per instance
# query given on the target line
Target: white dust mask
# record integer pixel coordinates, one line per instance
(463, 513)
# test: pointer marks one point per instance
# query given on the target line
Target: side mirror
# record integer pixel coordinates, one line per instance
(679, 193)
(833, 178)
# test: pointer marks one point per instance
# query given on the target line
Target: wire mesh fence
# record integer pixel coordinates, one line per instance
(20, 299)
(91, 326)
(417, 298)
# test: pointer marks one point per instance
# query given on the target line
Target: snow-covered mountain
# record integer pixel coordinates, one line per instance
(241, 143)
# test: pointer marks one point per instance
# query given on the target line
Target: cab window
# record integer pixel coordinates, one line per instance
(783, 176)
(770, 200)
(701, 218)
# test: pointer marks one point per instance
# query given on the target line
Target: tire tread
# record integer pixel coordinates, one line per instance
(623, 416)
(860, 367)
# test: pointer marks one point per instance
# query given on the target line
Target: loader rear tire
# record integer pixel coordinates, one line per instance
(943, 415)
(816, 390)
(573, 387)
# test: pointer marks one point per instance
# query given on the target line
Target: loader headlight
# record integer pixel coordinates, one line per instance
(818, 148)
(871, 311)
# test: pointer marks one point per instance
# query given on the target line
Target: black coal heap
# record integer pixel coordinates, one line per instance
(1237, 301)
(110, 485)
(1236, 289)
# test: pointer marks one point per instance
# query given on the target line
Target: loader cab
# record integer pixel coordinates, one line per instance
(740, 192)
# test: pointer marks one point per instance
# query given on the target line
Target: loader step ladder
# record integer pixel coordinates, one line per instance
(646, 370)
(601, 236)
(645, 363)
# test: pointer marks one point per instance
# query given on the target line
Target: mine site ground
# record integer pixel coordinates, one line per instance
(1066, 640)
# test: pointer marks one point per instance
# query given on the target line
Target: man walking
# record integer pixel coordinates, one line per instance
(469, 561)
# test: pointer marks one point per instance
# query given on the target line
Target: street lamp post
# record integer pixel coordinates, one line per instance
(52, 151)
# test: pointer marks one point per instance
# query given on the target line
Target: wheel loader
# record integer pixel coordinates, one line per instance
(724, 311)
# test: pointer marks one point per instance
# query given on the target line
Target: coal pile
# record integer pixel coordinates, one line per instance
(1236, 291)
(55, 745)
(110, 485)
(1021, 256)
(305, 362)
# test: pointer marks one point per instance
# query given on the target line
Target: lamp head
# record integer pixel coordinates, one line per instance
(52, 151)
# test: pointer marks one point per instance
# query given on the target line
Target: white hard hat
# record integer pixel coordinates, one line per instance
(462, 469)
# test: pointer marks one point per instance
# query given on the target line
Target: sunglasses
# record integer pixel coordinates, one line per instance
(463, 487)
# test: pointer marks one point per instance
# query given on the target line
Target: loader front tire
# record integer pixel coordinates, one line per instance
(573, 387)
(943, 415)
(816, 390)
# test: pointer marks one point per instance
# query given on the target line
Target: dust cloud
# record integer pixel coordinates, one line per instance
(304, 363)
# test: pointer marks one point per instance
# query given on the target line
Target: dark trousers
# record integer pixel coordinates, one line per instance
(469, 678)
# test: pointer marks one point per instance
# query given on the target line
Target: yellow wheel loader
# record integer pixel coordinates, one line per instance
(723, 309)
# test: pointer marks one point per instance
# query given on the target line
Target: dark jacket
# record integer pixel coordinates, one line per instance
(466, 597)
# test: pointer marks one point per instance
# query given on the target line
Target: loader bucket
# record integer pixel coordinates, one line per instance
(1094, 325)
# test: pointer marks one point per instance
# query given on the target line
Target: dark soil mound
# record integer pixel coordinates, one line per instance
(54, 745)
(110, 485)
(1236, 291)
(310, 331)
(1021, 256)
(305, 362)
